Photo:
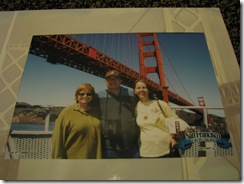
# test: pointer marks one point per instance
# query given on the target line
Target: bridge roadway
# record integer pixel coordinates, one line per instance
(63, 49)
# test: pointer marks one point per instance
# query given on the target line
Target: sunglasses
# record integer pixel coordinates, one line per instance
(83, 94)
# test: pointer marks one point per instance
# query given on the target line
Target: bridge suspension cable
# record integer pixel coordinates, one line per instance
(66, 50)
(172, 66)
(122, 47)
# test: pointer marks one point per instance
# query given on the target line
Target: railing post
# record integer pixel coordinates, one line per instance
(205, 117)
(47, 120)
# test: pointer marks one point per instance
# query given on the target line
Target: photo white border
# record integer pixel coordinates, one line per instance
(20, 26)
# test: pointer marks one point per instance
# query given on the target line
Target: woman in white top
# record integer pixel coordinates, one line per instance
(155, 138)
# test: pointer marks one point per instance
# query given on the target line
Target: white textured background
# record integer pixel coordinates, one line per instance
(16, 31)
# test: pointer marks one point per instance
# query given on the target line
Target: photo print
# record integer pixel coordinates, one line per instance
(176, 67)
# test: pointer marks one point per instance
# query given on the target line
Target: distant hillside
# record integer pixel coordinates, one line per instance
(26, 113)
(218, 124)
(191, 118)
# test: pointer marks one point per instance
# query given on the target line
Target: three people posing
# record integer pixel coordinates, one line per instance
(114, 126)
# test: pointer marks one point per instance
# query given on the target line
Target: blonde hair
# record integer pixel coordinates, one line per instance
(85, 86)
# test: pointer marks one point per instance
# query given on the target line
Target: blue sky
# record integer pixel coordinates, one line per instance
(48, 84)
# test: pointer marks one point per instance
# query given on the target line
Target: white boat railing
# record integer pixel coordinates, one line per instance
(38, 144)
(203, 108)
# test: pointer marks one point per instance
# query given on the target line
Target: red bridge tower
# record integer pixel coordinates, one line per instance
(150, 40)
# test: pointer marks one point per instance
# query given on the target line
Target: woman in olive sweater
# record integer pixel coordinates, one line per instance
(77, 131)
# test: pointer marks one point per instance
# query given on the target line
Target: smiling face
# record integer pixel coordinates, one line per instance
(84, 96)
(141, 91)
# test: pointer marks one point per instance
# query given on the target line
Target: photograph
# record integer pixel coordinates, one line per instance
(146, 95)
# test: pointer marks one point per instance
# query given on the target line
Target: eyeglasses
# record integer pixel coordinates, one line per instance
(83, 94)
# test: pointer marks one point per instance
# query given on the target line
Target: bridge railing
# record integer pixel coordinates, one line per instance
(203, 108)
(38, 144)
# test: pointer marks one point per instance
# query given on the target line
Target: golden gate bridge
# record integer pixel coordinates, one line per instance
(66, 50)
